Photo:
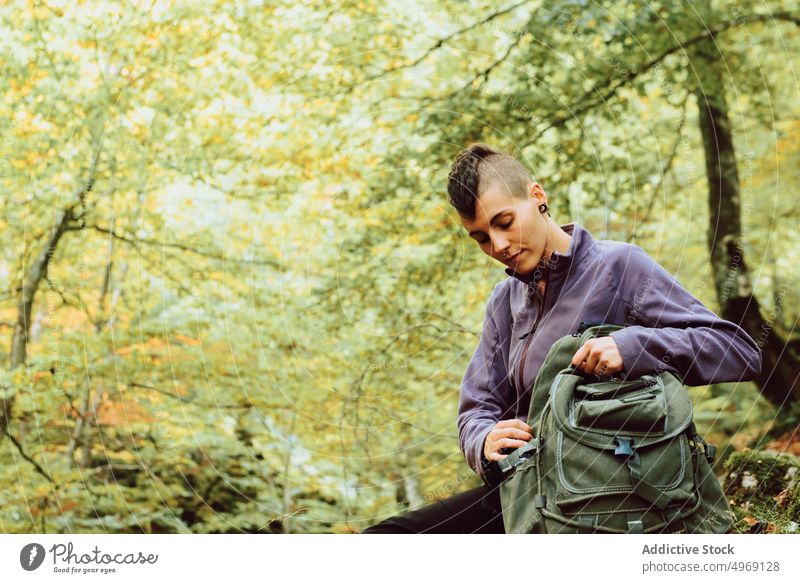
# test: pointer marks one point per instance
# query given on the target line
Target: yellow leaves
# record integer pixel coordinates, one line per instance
(124, 456)
(24, 163)
(214, 140)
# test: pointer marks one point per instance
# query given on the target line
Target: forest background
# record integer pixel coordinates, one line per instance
(234, 296)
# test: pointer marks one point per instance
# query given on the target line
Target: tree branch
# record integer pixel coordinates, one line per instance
(605, 90)
(433, 48)
(28, 458)
(187, 400)
(136, 241)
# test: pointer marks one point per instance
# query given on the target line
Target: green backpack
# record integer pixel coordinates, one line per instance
(617, 456)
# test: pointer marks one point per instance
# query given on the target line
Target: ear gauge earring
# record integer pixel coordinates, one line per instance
(543, 208)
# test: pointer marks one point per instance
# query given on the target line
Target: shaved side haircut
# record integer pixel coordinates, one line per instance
(477, 168)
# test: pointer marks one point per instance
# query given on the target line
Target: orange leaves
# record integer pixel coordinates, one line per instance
(153, 346)
(113, 412)
(789, 442)
(783, 497)
(125, 412)
(187, 340)
(39, 375)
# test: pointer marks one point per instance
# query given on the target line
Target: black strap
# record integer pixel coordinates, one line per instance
(509, 463)
(641, 486)
(710, 451)
(491, 473)
(586, 325)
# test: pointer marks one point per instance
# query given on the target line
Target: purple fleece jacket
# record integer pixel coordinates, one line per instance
(666, 329)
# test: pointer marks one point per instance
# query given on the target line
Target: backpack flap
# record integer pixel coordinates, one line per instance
(622, 438)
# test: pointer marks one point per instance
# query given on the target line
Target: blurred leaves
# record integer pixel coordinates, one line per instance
(260, 320)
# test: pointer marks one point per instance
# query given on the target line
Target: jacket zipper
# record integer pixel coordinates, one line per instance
(529, 336)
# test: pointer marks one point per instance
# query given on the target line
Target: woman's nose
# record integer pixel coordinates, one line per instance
(499, 245)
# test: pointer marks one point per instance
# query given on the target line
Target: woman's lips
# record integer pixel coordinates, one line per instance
(513, 261)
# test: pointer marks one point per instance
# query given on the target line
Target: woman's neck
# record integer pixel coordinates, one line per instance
(557, 241)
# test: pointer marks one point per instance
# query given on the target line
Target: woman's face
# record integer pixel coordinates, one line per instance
(510, 229)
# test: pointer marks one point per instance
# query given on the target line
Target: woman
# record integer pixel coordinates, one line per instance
(559, 278)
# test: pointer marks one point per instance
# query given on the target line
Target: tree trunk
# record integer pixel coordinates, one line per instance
(22, 327)
(780, 366)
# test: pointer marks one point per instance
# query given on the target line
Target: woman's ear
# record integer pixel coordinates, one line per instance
(536, 191)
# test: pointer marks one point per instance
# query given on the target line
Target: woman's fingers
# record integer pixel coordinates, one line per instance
(508, 442)
(591, 362)
(513, 423)
(599, 356)
(512, 432)
(581, 354)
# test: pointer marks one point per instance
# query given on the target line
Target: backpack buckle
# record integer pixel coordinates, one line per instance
(520, 455)
(711, 452)
(624, 446)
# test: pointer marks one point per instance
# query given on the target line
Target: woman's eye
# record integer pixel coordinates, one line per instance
(507, 225)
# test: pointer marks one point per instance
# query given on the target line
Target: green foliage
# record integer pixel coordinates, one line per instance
(763, 490)
(259, 317)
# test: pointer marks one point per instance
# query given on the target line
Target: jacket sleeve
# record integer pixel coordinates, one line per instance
(485, 390)
(668, 329)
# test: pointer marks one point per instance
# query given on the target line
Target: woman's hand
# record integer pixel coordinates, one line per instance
(598, 356)
(511, 433)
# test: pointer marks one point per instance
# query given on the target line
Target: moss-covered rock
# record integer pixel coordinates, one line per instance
(764, 491)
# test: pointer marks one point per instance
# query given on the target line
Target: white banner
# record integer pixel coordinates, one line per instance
(389, 558)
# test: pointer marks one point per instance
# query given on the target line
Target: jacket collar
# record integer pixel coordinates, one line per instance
(579, 246)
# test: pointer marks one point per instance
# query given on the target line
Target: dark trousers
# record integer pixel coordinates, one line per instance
(474, 511)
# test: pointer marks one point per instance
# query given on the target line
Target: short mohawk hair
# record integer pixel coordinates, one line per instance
(477, 167)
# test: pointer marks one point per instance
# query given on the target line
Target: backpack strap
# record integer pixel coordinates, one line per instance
(709, 450)
(587, 521)
(641, 486)
(635, 524)
(509, 463)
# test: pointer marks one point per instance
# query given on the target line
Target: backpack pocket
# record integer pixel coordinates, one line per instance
(517, 494)
(583, 469)
(635, 408)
